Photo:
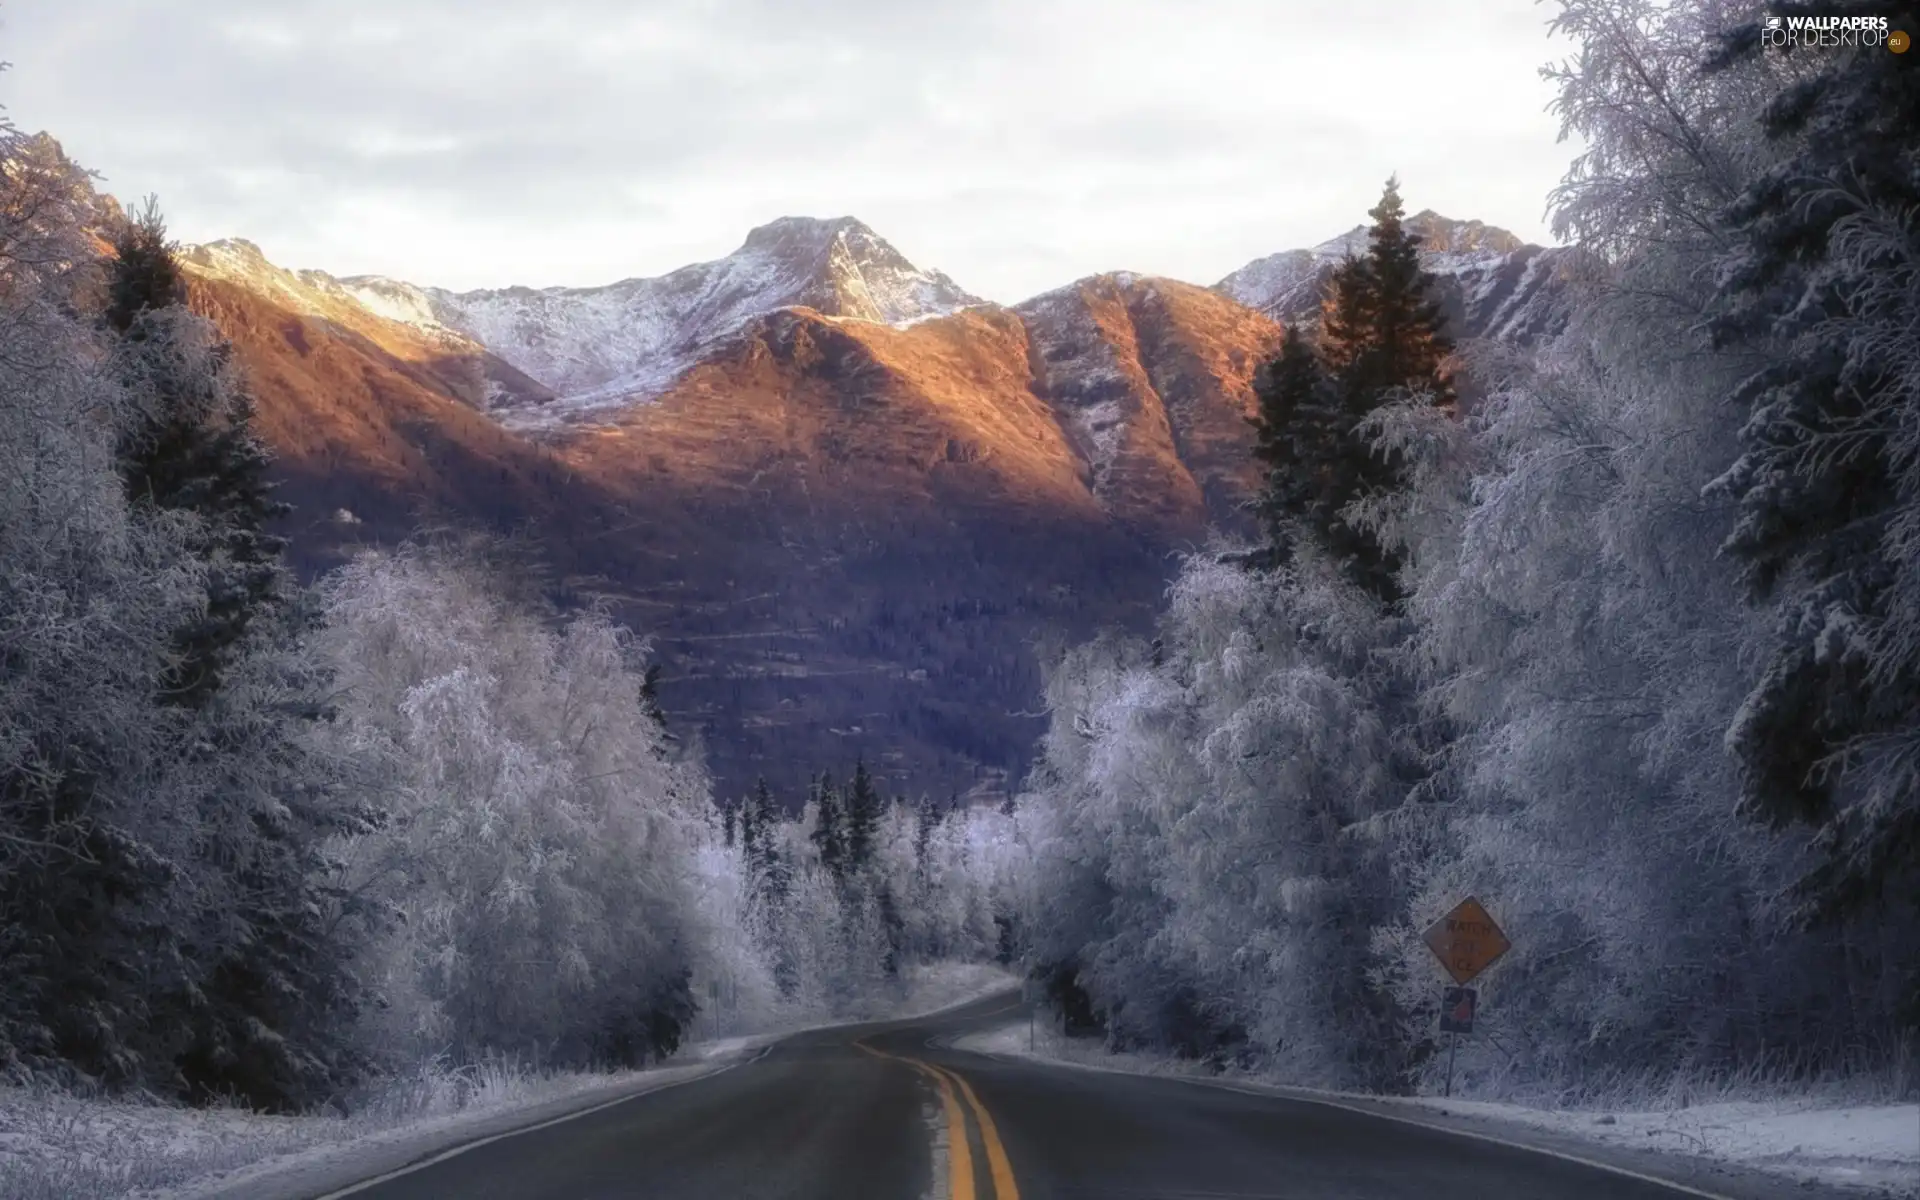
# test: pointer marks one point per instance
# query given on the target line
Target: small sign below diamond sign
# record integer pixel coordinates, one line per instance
(1456, 1010)
(1466, 941)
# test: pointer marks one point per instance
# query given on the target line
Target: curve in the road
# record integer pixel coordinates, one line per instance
(857, 1114)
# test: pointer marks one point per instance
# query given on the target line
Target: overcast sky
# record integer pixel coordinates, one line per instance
(1015, 144)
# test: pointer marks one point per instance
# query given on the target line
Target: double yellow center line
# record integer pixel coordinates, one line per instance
(960, 1185)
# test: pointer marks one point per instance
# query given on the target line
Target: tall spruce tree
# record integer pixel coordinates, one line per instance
(863, 818)
(763, 851)
(1817, 280)
(146, 275)
(925, 819)
(1297, 432)
(261, 992)
(829, 830)
(192, 448)
(1381, 338)
(750, 823)
(1381, 327)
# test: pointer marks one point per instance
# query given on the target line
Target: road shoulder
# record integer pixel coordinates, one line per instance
(334, 1168)
(1689, 1173)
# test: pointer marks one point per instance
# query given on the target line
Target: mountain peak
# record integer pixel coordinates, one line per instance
(601, 348)
(1444, 235)
(807, 230)
(234, 248)
(841, 267)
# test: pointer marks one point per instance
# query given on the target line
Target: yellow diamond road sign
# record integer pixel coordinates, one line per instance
(1466, 941)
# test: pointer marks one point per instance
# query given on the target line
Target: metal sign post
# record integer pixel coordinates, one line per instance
(1466, 941)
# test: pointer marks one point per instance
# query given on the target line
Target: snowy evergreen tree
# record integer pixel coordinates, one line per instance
(191, 448)
(829, 835)
(163, 869)
(1818, 278)
(862, 819)
(925, 819)
(1381, 339)
(145, 276)
(765, 858)
(1297, 430)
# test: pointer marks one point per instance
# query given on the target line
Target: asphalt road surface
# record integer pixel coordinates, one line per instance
(883, 1112)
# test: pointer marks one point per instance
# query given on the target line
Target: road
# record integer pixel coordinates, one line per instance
(885, 1112)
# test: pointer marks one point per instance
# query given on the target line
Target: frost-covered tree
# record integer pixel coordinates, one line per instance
(827, 826)
(189, 447)
(1216, 815)
(160, 865)
(1207, 830)
(1589, 646)
(88, 593)
(540, 845)
(1821, 276)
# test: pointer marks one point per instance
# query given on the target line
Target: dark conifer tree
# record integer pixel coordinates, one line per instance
(146, 275)
(925, 818)
(764, 857)
(194, 449)
(261, 992)
(1381, 338)
(1297, 433)
(751, 832)
(1381, 328)
(1813, 282)
(862, 818)
(829, 833)
(650, 699)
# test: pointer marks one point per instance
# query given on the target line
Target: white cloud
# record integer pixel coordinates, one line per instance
(1015, 144)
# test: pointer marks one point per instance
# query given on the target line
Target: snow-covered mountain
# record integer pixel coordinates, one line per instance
(841, 519)
(600, 347)
(1492, 284)
(479, 377)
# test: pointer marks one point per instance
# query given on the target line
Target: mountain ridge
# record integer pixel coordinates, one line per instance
(849, 526)
(1490, 283)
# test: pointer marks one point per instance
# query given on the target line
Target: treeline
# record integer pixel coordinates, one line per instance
(1617, 634)
(846, 891)
(277, 843)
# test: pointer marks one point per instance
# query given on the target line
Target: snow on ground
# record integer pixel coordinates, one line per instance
(1861, 1145)
(1867, 1146)
(56, 1146)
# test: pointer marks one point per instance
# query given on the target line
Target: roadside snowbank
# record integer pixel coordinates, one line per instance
(1871, 1147)
(55, 1146)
